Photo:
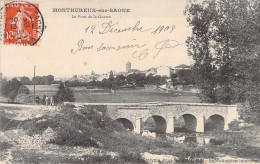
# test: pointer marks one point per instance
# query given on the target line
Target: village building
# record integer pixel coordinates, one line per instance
(164, 71)
(181, 67)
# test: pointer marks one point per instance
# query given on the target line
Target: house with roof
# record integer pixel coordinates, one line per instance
(181, 67)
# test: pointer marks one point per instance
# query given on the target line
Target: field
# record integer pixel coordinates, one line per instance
(147, 94)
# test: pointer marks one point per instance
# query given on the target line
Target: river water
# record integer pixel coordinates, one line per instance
(192, 138)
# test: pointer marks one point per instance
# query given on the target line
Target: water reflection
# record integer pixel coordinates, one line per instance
(194, 138)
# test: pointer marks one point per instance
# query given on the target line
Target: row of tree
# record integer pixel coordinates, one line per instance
(225, 45)
(184, 77)
(136, 79)
(10, 89)
(39, 80)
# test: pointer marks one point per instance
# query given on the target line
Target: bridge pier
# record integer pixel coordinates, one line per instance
(138, 126)
(170, 125)
(226, 125)
(200, 124)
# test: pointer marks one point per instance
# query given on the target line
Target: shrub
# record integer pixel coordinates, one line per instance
(64, 94)
(23, 90)
(67, 135)
(10, 89)
(234, 125)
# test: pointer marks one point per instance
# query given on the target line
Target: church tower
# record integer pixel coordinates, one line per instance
(128, 67)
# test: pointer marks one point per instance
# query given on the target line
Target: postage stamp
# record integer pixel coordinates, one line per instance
(24, 24)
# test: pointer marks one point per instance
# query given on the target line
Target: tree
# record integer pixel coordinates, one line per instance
(120, 80)
(43, 80)
(106, 83)
(25, 80)
(136, 78)
(174, 78)
(64, 94)
(37, 80)
(155, 80)
(186, 77)
(47, 80)
(225, 47)
(23, 90)
(10, 89)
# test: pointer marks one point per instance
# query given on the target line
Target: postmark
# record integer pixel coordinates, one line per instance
(24, 23)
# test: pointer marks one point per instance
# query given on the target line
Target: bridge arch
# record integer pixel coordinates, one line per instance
(187, 121)
(156, 123)
(215, 122)
(126, 123)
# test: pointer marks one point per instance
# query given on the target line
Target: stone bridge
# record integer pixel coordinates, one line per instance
(165, 114)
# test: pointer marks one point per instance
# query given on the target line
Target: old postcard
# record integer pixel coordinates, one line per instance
(84, 81)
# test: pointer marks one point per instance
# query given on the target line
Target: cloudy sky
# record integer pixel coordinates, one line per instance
(63, 33)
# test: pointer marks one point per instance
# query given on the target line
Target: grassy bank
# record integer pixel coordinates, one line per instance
(238, 143)
(89, 128)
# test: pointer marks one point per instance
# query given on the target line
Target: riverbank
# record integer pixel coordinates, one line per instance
(83, 136)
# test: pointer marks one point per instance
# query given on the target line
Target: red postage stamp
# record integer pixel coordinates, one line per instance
(24, 23)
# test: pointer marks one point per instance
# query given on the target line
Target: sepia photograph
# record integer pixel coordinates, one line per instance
(133, 81)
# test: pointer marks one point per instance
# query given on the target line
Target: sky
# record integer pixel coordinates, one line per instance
(63, 34)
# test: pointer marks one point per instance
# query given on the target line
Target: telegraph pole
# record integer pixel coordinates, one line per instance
(1, 75)
(34, 101)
